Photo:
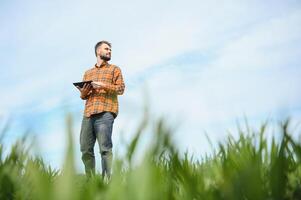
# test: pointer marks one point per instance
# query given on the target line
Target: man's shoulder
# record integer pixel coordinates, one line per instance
(89, 70)
(115, 67)
(112, 65)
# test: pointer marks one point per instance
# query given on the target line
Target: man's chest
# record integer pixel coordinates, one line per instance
(104, 75)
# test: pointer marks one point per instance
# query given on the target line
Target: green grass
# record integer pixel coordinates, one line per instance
(249, 167)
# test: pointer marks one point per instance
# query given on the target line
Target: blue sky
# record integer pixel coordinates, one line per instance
(202, 64)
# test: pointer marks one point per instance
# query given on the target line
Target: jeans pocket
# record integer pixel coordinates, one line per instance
(108, 116)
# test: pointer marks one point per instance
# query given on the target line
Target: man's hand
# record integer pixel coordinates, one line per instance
(85, 90)
(98, 85)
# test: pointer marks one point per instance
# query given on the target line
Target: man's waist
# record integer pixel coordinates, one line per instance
(92, 112)
(102, 113)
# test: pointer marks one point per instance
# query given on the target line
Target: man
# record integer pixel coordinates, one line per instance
(101, 109)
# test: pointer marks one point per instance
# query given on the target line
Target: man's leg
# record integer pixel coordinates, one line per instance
(103, 130)
(87, 142)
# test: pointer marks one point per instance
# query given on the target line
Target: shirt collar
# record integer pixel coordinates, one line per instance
(102, 65)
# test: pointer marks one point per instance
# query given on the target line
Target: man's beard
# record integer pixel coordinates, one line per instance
(105, 58)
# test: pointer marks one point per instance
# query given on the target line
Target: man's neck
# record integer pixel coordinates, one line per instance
(100, 62)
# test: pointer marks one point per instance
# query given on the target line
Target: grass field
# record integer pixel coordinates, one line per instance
(249, 167)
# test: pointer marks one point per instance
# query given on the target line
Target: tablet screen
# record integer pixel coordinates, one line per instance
(81, 84)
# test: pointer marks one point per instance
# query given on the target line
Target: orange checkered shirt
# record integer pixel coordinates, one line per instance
(100, 100)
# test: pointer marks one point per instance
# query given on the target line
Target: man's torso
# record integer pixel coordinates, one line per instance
(101, 100)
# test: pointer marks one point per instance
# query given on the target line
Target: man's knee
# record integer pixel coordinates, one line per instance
(87, 154)
(105, 147)
(106, 152)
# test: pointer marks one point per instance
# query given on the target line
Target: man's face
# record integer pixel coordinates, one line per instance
(104, 52)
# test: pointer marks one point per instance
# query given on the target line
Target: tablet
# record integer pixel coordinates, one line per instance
(81, 84)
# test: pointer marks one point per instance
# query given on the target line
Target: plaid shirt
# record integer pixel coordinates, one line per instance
(99, 100)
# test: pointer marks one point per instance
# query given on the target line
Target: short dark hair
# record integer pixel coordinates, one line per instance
(98, 44)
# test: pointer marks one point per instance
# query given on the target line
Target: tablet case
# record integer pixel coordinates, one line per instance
(81, 84)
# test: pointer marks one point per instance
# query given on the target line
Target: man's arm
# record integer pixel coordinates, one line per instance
(86, 90)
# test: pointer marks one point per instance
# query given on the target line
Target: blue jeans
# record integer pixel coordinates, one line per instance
(98, 126)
